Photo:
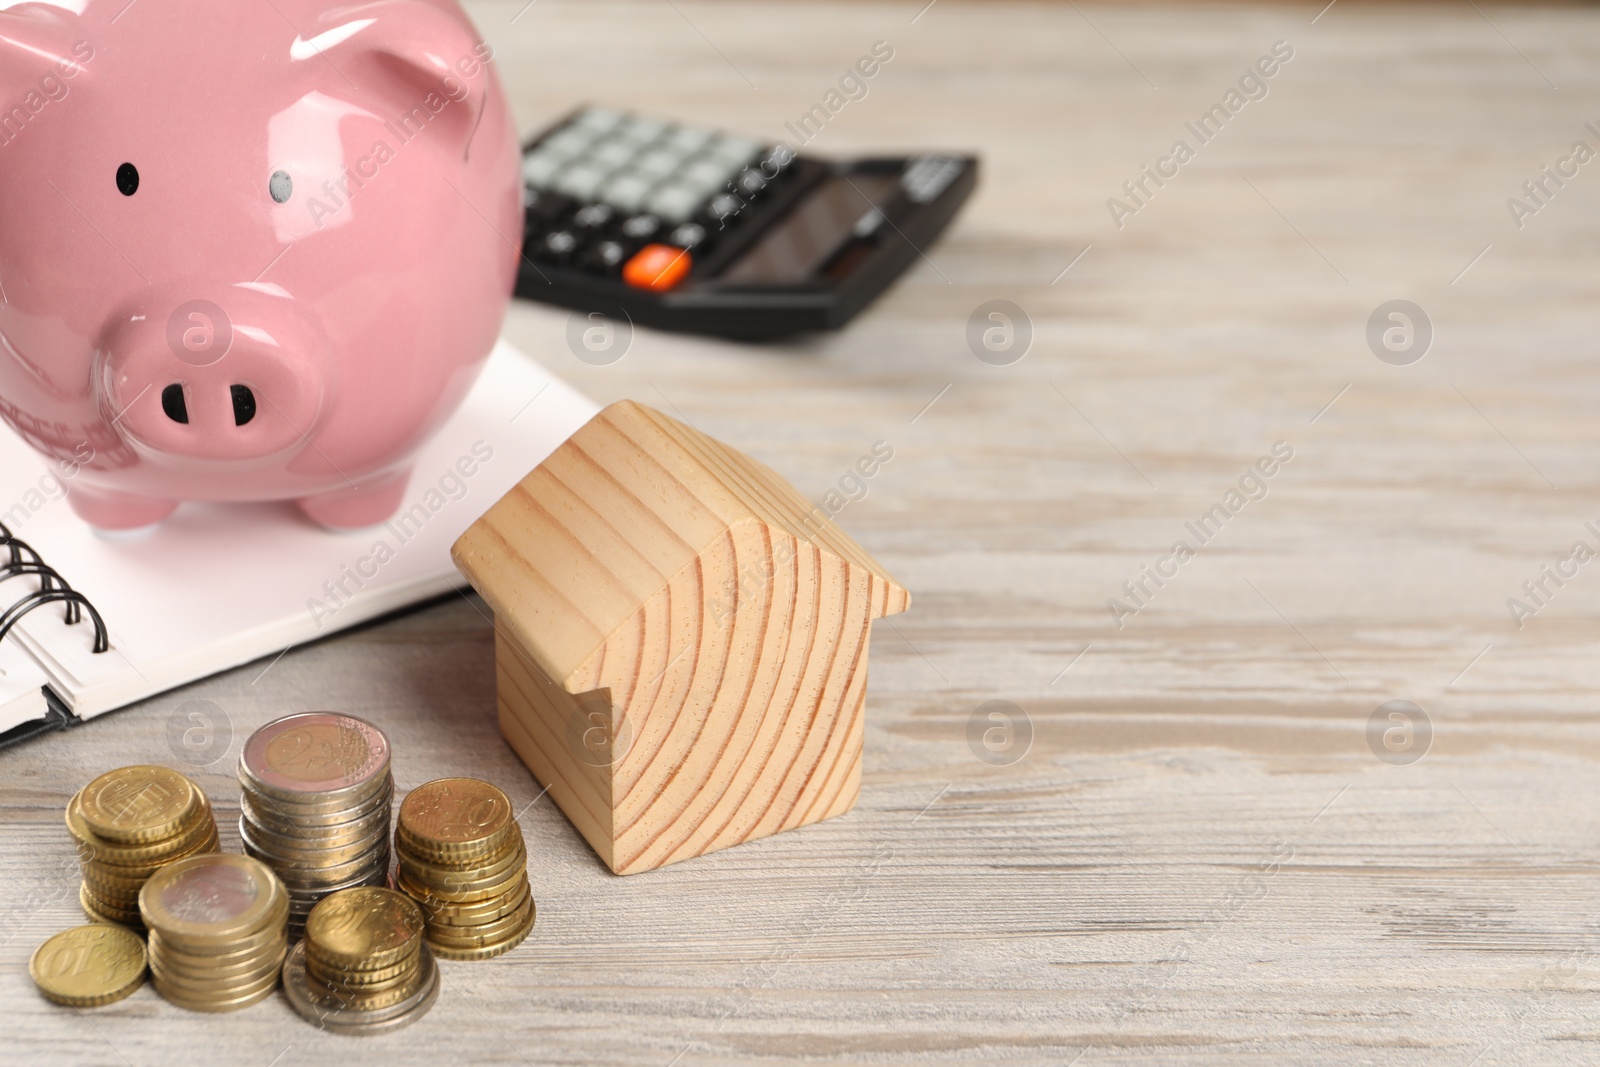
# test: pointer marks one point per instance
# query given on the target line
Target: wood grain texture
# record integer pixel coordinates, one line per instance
(682, 639)
(1125, 891)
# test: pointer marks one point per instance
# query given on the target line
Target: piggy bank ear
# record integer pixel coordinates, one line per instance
(428, 63)
(39, 41)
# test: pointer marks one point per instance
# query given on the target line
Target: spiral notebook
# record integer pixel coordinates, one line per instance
(216, 586)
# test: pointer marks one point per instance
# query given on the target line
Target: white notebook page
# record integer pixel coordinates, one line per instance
(216, 585)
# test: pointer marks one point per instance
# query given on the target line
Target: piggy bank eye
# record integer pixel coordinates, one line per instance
(281, 186)
(128, 179)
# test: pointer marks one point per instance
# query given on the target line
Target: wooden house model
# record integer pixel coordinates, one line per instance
(681, 640)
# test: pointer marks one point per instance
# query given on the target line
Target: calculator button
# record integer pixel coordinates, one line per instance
(750, 181)
(657, 268)
(675, 202)
(626, 192)
(724, 209)
(687, 140)
(544, 206)
(592, 216)
(640, 227)
(580, 181)
(598, 119)
(688, 236)
(565, 143)
(612, 154)
(557, 245)
(656, 163)
(539, 167)
(638, 130)
(704, 173)
(732, 152)
(606, 256)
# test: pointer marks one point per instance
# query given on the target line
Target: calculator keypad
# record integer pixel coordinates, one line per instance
(607, 186)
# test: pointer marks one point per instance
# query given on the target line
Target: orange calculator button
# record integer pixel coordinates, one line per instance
(657, 267)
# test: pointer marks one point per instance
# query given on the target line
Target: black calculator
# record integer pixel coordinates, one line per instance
(689, 229)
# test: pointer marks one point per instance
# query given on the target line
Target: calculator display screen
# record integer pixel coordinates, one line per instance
(799, 245)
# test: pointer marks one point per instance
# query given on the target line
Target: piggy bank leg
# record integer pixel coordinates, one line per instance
(354, 508)
(105, 509)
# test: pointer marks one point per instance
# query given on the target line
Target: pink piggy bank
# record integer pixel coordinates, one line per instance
(248, 251)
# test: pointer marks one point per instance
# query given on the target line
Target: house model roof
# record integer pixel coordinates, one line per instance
(572, 553)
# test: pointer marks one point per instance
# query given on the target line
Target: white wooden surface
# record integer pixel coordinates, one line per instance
(1200, 860)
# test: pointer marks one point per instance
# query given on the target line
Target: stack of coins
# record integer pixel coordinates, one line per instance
(315, 805)
(217, 931)
(88, 966)
(129, 823)
(363, 966)
(463, 861)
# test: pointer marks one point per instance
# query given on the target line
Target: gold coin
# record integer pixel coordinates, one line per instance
(227, 1000)
(482, 933)
(221, 951)
(215, 896)
(487, 934)
(313, 1001)
(479, 912)
(314, 957)
(88, 966)
(361, 985)
(112, 884)
(464, 890)
(227, 966)
(355, 1000)
(134, 852)
(215, 1007)
(101, 912)
(203, 982)
(484, 869)
(134, 805)
(118, 901)
(369, 924)
(362, 979)
(131, 879)
(106, 906)
(451, 818)
(202, 839)
(199, 968)
(446, 952)
(446, 888)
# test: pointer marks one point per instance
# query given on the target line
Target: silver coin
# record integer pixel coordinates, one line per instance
(322, 883)
(276, 813)
(272, 812)
(302, 901)
(313, 864)
(317, 757)
(316, 848)
(299, 894)
(311, 1007)
(319, 804)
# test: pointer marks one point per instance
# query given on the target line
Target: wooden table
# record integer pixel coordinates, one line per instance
(1201, 856)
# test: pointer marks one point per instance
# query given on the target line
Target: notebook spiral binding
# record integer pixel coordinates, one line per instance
(53, 589)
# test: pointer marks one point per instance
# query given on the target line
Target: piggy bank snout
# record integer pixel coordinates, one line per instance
(204, 384)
